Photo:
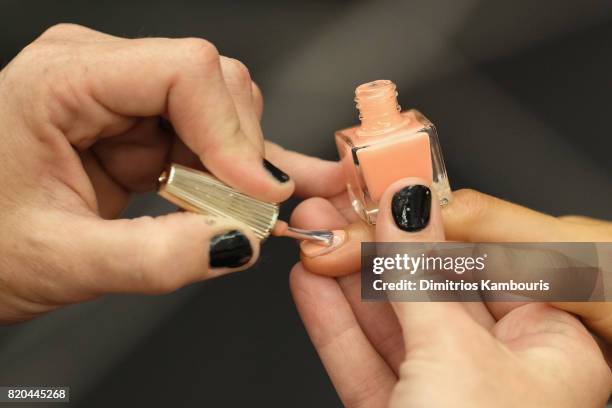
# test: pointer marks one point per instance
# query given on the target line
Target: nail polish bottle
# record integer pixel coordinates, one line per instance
(202, 193)
(387, 146)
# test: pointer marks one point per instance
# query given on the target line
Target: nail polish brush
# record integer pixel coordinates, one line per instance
(202, 193)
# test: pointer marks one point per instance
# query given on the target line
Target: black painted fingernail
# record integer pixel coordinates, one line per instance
(230, 250)
(276, 172)
(411, 208)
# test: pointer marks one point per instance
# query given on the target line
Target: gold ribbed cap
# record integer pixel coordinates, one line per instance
(202, 193)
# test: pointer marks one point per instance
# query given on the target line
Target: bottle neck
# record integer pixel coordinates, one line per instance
(379, 111)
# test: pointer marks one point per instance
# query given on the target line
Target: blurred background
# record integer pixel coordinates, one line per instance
(520, 92)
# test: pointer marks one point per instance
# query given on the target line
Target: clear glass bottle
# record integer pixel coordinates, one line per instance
(387, 146)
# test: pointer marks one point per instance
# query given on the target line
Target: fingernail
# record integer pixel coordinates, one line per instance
(411, 208)
(230, 250)
(312, 249)
(277, 173)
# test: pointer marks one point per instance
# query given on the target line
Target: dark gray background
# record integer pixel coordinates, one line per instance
(520, 91)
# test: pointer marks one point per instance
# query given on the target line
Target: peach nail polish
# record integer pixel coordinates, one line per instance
(387, 146)
(314, 248)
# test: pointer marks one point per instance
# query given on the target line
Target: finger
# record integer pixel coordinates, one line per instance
(74, 32)
(111, 198)
(178, 78)
(257, 100)
(240, 86)
(317, 213)
(359, 374)
(343, 204)
(378, 321)
(159, 255)
(538, 326)
(579, 219)
(586, 228)
(597, 316)
(406, 214)
(345, 260)
(313, 177)
(181, 154)
(532, 319)
(136, 159)
(477, 217)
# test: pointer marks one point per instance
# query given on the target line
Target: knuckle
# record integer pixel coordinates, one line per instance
(237, 74)
(45, 57)
(233, 139)
(43, 64)
(61, 30)
(234, 136)
(200, 52)
(35, 57)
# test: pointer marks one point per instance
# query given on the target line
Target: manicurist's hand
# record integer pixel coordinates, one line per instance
(427, 354)
(86, 119)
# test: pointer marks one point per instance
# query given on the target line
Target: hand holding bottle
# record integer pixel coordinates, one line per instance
(472, 217)
(436, 354)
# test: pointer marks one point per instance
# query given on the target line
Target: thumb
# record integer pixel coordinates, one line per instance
(159, 255)
(406, 214)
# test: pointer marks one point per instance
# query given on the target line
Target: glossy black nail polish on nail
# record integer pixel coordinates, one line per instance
(276, 172)
(230, 250)
(411, 208)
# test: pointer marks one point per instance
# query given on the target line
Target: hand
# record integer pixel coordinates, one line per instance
(471, 217)
(79, 117)
(440, 354)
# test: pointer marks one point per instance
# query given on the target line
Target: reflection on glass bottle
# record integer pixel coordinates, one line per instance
(387, 146)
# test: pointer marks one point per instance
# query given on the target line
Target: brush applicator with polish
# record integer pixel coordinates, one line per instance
(202, 193)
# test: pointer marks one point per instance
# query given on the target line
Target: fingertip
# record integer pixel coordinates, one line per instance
(251, 175)
(232, 250)
(200, 247)
(408, 210)
(314, 177)
(282, 185)
(162, 254)
(343, 260)
(386, 201)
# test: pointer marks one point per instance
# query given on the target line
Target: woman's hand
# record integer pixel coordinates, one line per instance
(81, 127)
(439, 354)
(471, 217)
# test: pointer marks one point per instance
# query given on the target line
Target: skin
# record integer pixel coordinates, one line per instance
(79, 138)
(427, 354)
(80, 123)
(472, 217)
